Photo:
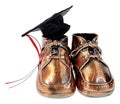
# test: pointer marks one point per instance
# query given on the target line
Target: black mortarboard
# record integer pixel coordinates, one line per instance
(53, 27)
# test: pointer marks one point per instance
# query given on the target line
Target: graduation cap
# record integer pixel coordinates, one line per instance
(53, 27)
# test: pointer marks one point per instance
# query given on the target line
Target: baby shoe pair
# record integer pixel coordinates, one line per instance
(61, 69)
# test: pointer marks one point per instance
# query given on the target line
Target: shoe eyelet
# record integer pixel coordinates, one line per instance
(54, 50)
(91, 50)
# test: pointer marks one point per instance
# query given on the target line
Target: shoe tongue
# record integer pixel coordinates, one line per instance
(47, 41)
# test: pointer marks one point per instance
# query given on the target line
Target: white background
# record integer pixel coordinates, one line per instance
(18, 56)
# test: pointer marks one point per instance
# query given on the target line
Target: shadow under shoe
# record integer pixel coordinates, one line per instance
(93, 77)
(55, 77)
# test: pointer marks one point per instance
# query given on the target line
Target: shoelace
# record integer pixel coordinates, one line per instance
(81, 47)
(23, 79)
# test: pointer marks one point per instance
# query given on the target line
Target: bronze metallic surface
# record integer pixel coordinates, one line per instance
(93, 77)
(55, 77)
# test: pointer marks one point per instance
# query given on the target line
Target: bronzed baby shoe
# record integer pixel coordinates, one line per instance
(55, 77)
(93, 77)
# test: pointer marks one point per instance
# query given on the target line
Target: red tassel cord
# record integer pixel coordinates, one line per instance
(30, 37)
(23, 79)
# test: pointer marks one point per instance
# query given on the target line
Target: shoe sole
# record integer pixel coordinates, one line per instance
(55, 95)
(97, 90)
